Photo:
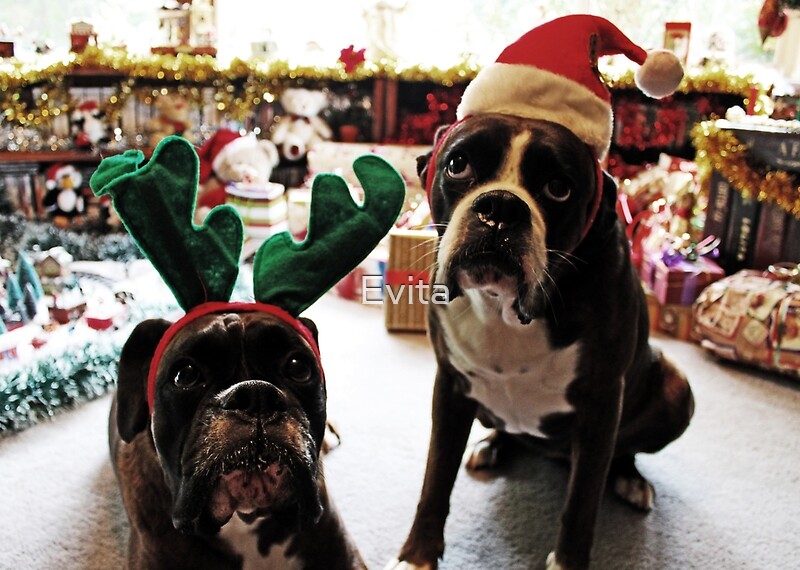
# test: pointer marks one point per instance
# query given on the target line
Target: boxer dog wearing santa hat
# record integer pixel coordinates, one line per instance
(545, 337)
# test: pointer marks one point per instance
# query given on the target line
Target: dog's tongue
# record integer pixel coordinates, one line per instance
(246, 491)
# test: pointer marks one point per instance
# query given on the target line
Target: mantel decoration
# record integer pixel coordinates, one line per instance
(719, 149)
(244, 84)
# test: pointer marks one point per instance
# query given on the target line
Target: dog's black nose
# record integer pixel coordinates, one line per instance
(255, 397)
(501, 209)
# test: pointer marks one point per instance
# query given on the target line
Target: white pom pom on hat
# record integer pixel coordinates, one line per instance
(660, 74)
(551, 73)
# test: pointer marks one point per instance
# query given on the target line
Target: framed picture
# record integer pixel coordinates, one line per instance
(676, 39)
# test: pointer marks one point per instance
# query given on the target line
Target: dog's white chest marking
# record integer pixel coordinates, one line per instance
(243, 540)
(512, 369)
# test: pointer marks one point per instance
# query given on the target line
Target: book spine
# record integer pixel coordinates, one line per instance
(719, 202)
(769, 237)
(791, 241)
(737, 247)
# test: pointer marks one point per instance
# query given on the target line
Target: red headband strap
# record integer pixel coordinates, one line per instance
(598, 197)
(222, 307)
(429, 175)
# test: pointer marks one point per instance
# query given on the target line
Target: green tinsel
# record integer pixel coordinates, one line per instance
(40, 388)
(20, 234)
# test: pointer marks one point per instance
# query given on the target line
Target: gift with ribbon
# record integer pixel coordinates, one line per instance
(753, 317)
(683, 271)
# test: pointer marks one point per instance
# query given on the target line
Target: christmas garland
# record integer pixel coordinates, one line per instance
(80, 372)
(39, 389)
(243, 85)
(718, 149)
(20, 234)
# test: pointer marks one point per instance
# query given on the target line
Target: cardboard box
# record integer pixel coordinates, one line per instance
(408, 278)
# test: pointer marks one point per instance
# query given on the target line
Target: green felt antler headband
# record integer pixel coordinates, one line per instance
(200, 263)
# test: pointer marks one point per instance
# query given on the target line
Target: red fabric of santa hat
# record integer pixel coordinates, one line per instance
(211, 151)
(59, 170)
(551, 73)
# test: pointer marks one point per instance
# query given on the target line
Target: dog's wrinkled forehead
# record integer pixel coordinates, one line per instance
(497, 144)
(229, 336)
(495, 151)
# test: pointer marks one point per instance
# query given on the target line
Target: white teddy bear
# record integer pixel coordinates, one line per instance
(300, 127)
(229, 158)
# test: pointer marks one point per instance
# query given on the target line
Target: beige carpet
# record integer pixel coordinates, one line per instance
(728, 492)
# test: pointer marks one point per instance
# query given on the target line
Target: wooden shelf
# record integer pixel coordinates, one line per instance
(70, 156)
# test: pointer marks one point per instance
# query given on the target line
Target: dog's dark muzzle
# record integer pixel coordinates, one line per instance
(255, 398)
(496, 235)
(500, 210)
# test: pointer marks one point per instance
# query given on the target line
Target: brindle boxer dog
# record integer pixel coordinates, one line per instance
(545, 338)
(225, 473)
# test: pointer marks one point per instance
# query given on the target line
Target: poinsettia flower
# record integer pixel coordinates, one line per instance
(351, 58)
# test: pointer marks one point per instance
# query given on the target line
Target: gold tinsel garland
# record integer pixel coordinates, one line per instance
(243, 85)
(718, 149)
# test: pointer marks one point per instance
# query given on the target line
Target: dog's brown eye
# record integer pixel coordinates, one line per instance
(459, 168)
(187, 377)
(557, 190)
(297, 370)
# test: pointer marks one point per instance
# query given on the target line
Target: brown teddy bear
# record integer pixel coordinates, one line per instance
(172, 118)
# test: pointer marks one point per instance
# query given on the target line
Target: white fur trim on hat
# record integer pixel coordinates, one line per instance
(534, 93)
(234, 146)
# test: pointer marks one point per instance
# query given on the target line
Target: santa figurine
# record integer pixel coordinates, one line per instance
(87, 125)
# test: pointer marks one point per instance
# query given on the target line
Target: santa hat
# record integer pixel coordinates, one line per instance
(89, 106)
(551, 73)
(224, 143)
(58, 171)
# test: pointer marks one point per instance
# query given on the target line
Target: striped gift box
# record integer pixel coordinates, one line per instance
(263, 208)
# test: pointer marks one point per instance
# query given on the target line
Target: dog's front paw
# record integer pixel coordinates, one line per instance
(552, 563)
(486, 454)
(636, 491)
(483, 456)
(403, 565)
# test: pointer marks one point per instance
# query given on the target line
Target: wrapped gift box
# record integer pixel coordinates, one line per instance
(752, 317)
(678, 281)
(671, 320)
(338, 157)
(675, 321)
(263, 209)
(408, 280)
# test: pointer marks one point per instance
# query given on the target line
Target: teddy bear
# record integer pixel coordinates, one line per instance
(229, 158)
(300, 127)
(172, 118)
(64, 199)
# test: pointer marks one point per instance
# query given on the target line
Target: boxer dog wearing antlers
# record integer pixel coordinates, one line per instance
(545, 338)
(218, 421)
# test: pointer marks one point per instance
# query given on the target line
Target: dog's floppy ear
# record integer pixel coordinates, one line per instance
(424, 161)
(310, 325)
(609, 190)
(134, 364)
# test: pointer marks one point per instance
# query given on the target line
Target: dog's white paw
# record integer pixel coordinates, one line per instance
(552, 563)
(398, 565)
(636, 491)
(484, 455)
